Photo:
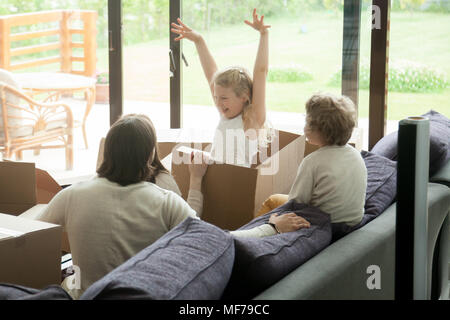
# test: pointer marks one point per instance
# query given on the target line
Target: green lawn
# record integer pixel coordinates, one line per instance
(420, 37)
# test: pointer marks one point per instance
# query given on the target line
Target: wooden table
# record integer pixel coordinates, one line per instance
(54, 84)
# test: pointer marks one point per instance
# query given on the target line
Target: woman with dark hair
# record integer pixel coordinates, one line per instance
(113, 216)
(132, 141)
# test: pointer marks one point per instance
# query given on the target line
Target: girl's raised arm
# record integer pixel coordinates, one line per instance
(260, 69)
(207, 61)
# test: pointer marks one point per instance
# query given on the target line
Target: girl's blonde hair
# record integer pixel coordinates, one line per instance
(333, 116)
(240, 81)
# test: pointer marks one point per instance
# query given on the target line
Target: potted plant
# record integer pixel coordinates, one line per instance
(102, 87)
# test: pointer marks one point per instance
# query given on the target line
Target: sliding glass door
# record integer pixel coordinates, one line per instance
(145, 52)
(57, 51)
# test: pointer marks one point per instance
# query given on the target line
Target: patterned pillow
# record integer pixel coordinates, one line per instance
(192, 261)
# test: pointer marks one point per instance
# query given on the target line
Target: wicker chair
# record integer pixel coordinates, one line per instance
(27, 124)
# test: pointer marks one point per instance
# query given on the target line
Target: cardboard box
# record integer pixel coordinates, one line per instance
(23, 187)
(30, 252)
(233, 194)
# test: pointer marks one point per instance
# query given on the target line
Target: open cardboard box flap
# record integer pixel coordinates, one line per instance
(22, 186)
(17, 187)
(233, 194)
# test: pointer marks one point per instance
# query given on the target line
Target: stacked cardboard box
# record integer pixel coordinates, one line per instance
(30, 251)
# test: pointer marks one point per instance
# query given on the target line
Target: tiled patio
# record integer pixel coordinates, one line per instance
(199, 117)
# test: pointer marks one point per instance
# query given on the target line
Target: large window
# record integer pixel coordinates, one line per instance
(419, 58)
(72, 36)
(146, 77)
(306, 47)
(305, 44)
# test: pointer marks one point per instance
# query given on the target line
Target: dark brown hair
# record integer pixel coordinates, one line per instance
(332, 116)
(131, 154)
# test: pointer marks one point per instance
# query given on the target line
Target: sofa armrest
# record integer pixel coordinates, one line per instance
(443, 175)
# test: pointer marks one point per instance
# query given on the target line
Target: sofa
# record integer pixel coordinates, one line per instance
(199, 261)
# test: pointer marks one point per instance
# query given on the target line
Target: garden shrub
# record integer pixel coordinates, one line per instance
(404, 76)
(288, 73)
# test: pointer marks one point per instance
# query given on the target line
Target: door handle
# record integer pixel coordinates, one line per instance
(173, 67)
(184, 59)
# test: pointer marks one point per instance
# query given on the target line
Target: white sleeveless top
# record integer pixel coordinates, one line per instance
(231, 146)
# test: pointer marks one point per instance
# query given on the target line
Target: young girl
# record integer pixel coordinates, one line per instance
(239, 99)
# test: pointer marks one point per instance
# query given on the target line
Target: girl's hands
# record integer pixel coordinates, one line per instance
(258, 24)
(288, 222)
(198, 165)
(184, 31)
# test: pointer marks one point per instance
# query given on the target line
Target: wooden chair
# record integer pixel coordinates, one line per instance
(27, 124)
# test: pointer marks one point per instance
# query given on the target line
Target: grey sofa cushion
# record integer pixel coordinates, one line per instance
(16, 292)
(192, 261)
(381, 184)
(380, 194)
(260, 262)
(439, 142)
(443, 175)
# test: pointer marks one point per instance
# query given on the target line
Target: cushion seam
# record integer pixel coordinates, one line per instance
(373, 194)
